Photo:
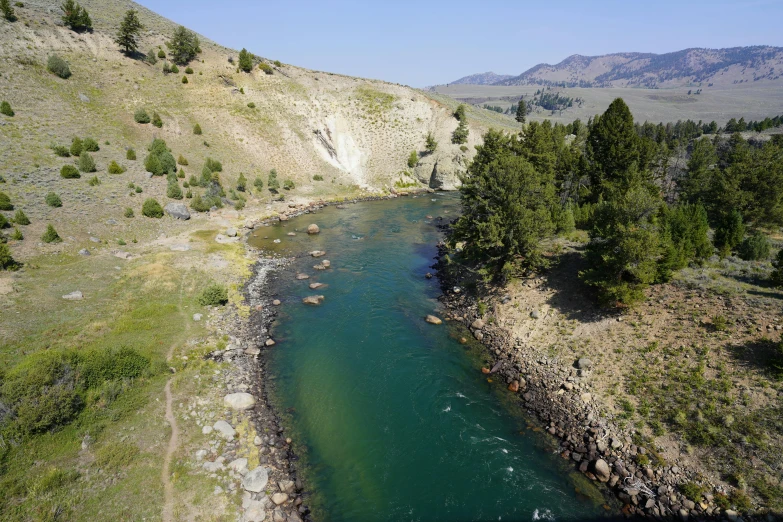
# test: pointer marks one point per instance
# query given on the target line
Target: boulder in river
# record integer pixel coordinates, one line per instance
(317, 253)
(313, 299)
(432, 319)
(316, 286)
(313, 229)
(300, 277)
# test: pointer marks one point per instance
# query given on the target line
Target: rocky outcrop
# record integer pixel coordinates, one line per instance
(440, 171)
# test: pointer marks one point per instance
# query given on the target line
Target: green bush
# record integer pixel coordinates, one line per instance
(94, 181)
(199, 205)
(150, 58)
(98, 365)
(258, 183)
(51, 235)
(189, 194)
(141, 116)
(5, 108)
(265, 67)
(5, 202)
(166, 68)
(3, 222)
(214, 165)
(213, 295)
(777, 275)
(17, 235)
(90, 145)
(62, 151)
(130, 155)
(86, 163)
(77, 147)
(413, 159)
(53, 200)
(20, 218)
(69, 172)
(156, 121)
(6, 261)
(128, 212)
(138, 190)
(173, 191)
(115, 168)
(116, 455)
(318, 177)
(161, 54)
(277, 63)
(288, 184)
(152, 209)
(174, 68)
(251, 105)
(241, 182)
(182, 160)
(272, 183)
(160, 160)
(729, 232)
(197, 129)
(754, 248)
(58, 66)
(188, 70)
(181, 174)
(463, 148)
(184, 79)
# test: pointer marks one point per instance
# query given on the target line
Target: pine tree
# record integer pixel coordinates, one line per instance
(431, 145)
(613, 149)
(460, 134)
(7, 10)
(128, 33)
(245, 61)
(272, 183)
(184, 46)
(521, 111)
(75, 16)
(51, 235)
(241, 182)
(413, 159)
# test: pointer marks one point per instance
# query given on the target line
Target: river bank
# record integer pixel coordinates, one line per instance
(560, 394)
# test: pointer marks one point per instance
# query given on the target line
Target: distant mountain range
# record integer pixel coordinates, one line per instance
(734, 65)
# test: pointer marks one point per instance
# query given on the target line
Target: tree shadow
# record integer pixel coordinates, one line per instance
(764, 355)
(573, 298)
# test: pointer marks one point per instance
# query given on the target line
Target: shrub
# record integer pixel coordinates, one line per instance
(265, 67)
(138, 190)
(777, 275)
(128, 212)
(413, 159)
(6, 261)
(199, 205)
(86, 163)
(213, 295)
(173, 191)
(318, 177)
(20, 218)
(5, 202)
(62, 151)
(156, 121)
(184, 79)
(94, 181)
(288, 184)
(141, 116)
(5, 108)
(17, 235)
(189, 194)
(77, 147)
(69, 172)
(53, 200)
(241, 90)
(181, 174)
(166, 68)
(116, 455)
(258, 183)
(463, 148)
(151, 57)
(58, 66)
(182, 160)
(251, 105)
(3, 222)
(277, 63)
(754, 248)
(115, 168)
(130, 155)
(161, 54)
(90, 145)
(97, 366)
(51, 235)
(729, 233)
(245, 60)
(197, 129)
(152, 209)
(213, 165)
(188, 70)
(272, 183)
(241, 182)
(174, 68)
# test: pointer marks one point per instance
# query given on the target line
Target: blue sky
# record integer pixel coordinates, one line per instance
(426, 43)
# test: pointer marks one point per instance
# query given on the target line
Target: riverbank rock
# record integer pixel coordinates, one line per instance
(514, 386)
(276, 302)
(313, 229)
(316, 286)
(313, 299)
(255, 480)
(601, 470)
(239, 401)
(326, 263)
(478, 324)
(225, 430)
(279, 498)
(177, 211)
(302, 277)
(317, 253)
(74, 296)
(432, 319)
(269, 342)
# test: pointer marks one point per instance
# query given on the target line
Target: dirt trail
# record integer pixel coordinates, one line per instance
(168, 485)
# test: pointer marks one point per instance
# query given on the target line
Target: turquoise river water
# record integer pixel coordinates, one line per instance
(391, 416)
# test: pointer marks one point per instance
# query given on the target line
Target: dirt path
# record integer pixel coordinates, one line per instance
(168, 485)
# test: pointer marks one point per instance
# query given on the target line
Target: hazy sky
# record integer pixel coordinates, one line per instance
(431, 42)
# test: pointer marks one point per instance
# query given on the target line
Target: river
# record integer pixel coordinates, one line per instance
(391, 416)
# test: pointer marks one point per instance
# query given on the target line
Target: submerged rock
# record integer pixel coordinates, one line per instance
(432, 319)
(313, 229)
(301, 277)
(317, 253)
(313, 299)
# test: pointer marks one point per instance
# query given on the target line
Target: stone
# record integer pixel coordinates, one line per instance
(535, 314)
(586, 397)
(514, 386)
(731, 515)
(239, 401)
(432, 319)
(317, 253)
(601, 470)
(478, 335)
(478, 324)
(179, 248)
(269, 342)
(316, 286)
(225, 430)
(231, 232)
(122, 255)
(94, 239)
(239, 465)
(313, 299)
(326, 263)
(206, 430)
(291, 234)
(257, 440)
(200, 454)
(286, 486)
(74, 296)
(584, 363)
(252, 351)
(84, 98)
(276, 302)
(254, 512)
(279, 498)
(313, 229)
(177, 211)
(213, 467)
(197, 317)
(84, 252)
(255, 480)
(302, 277)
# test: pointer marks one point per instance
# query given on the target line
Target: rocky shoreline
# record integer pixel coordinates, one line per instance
(558, 394)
